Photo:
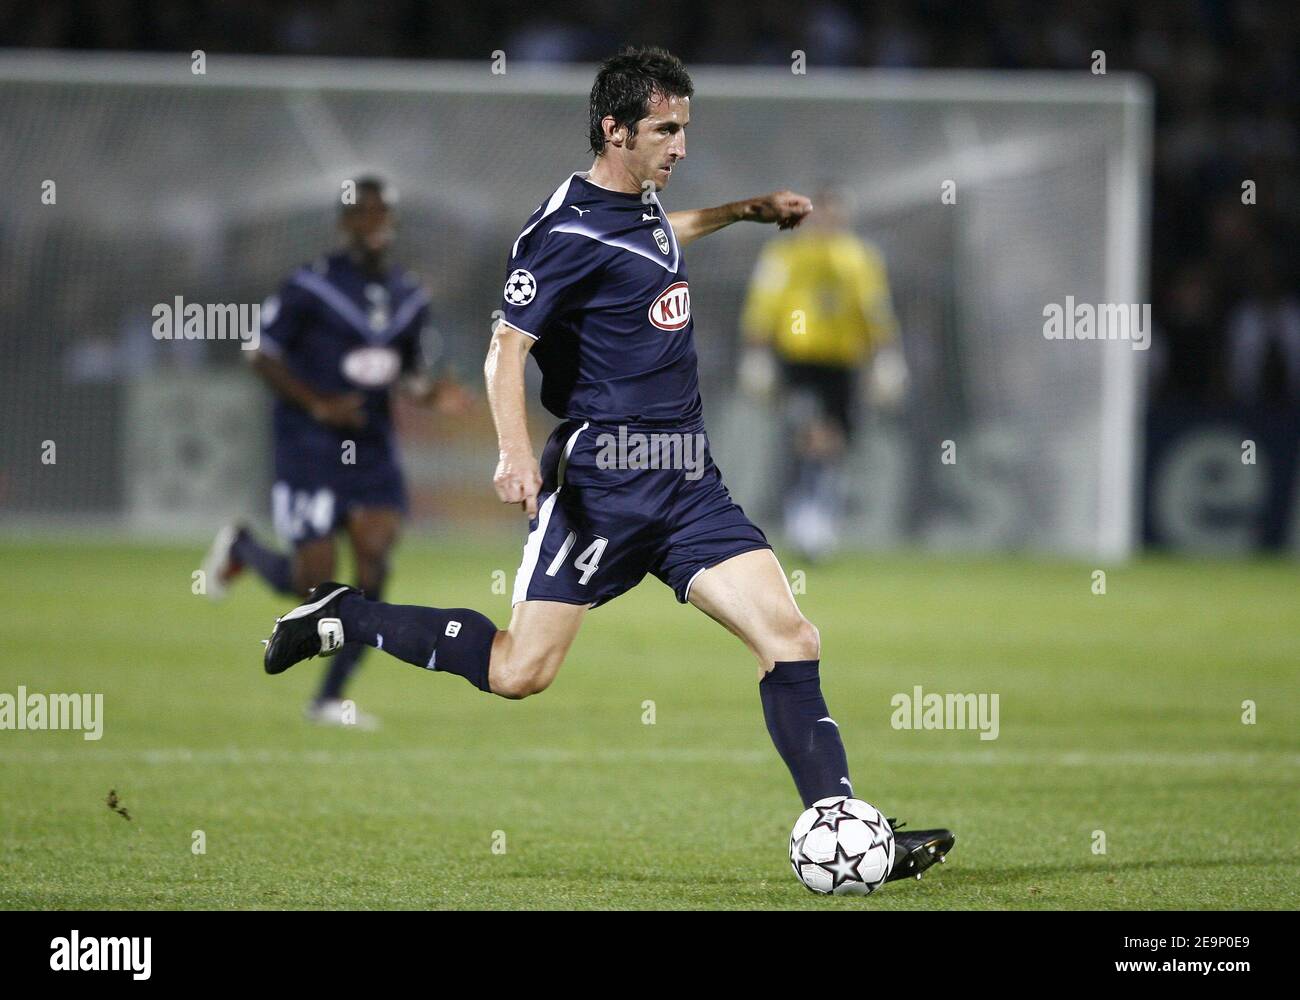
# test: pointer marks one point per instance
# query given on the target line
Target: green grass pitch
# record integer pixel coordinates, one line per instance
(1119, 713)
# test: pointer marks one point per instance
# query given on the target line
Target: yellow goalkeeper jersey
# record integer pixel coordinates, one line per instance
(820, 298)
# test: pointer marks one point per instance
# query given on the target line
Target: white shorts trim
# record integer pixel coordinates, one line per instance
(533, 545)
(687, 592)
(532, 550)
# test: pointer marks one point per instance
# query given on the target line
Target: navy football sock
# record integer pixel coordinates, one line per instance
(801, 727)
(271, 566)
(453, 640)
(344, 663)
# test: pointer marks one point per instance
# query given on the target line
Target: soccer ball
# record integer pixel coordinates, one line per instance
(842, 846)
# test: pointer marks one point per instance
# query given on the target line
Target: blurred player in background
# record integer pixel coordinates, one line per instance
(337, 338)
(817, 321)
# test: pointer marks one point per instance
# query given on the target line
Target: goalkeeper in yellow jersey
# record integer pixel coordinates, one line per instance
(817, 322)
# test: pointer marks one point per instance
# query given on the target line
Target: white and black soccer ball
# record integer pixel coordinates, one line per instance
(842, 846)
(521, 286)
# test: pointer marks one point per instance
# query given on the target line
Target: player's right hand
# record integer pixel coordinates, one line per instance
(518, 479)
(345, 410)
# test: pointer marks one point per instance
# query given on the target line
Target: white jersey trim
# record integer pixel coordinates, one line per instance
(507, 322)
(556, 200)
(579, 230)
(552, 206)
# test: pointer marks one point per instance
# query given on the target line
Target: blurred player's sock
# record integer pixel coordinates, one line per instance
(339, 671)
(805, 735)
(344, 663)
(453, 640)
(271, 566)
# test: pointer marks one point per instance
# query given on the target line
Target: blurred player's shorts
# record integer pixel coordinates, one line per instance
(313, 494)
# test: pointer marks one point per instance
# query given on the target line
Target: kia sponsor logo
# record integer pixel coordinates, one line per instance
(671, 310)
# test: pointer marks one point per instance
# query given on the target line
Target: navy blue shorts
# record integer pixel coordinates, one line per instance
(617, 504)
(315, 491)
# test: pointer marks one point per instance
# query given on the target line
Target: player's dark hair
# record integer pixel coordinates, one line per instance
(625, 84)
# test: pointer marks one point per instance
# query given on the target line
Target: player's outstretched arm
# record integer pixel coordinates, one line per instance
(786, 208)
(518, 478)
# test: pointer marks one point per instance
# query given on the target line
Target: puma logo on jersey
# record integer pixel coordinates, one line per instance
(671, 309)
(649, 218)
(581, 211)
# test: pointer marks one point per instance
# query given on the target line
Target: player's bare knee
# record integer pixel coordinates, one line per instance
(520, 682)
(812, 640)
(803, 639)
(520, 676)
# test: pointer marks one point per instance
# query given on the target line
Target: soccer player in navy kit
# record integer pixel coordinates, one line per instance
(596, 290)
(335, 340)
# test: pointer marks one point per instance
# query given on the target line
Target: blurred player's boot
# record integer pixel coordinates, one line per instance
(311, 629)
(813, 511)
(810, 528)
(917, 850)
(220, 566)
(339, 712)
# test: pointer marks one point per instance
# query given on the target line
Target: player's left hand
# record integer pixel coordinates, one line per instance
(786, 208)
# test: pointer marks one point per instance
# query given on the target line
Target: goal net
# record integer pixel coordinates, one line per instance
(133, 180)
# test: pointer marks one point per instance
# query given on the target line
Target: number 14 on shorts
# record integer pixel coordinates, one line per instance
(588, 560)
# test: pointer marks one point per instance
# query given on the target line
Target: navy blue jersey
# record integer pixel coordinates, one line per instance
(598, 280)
(340, 329)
